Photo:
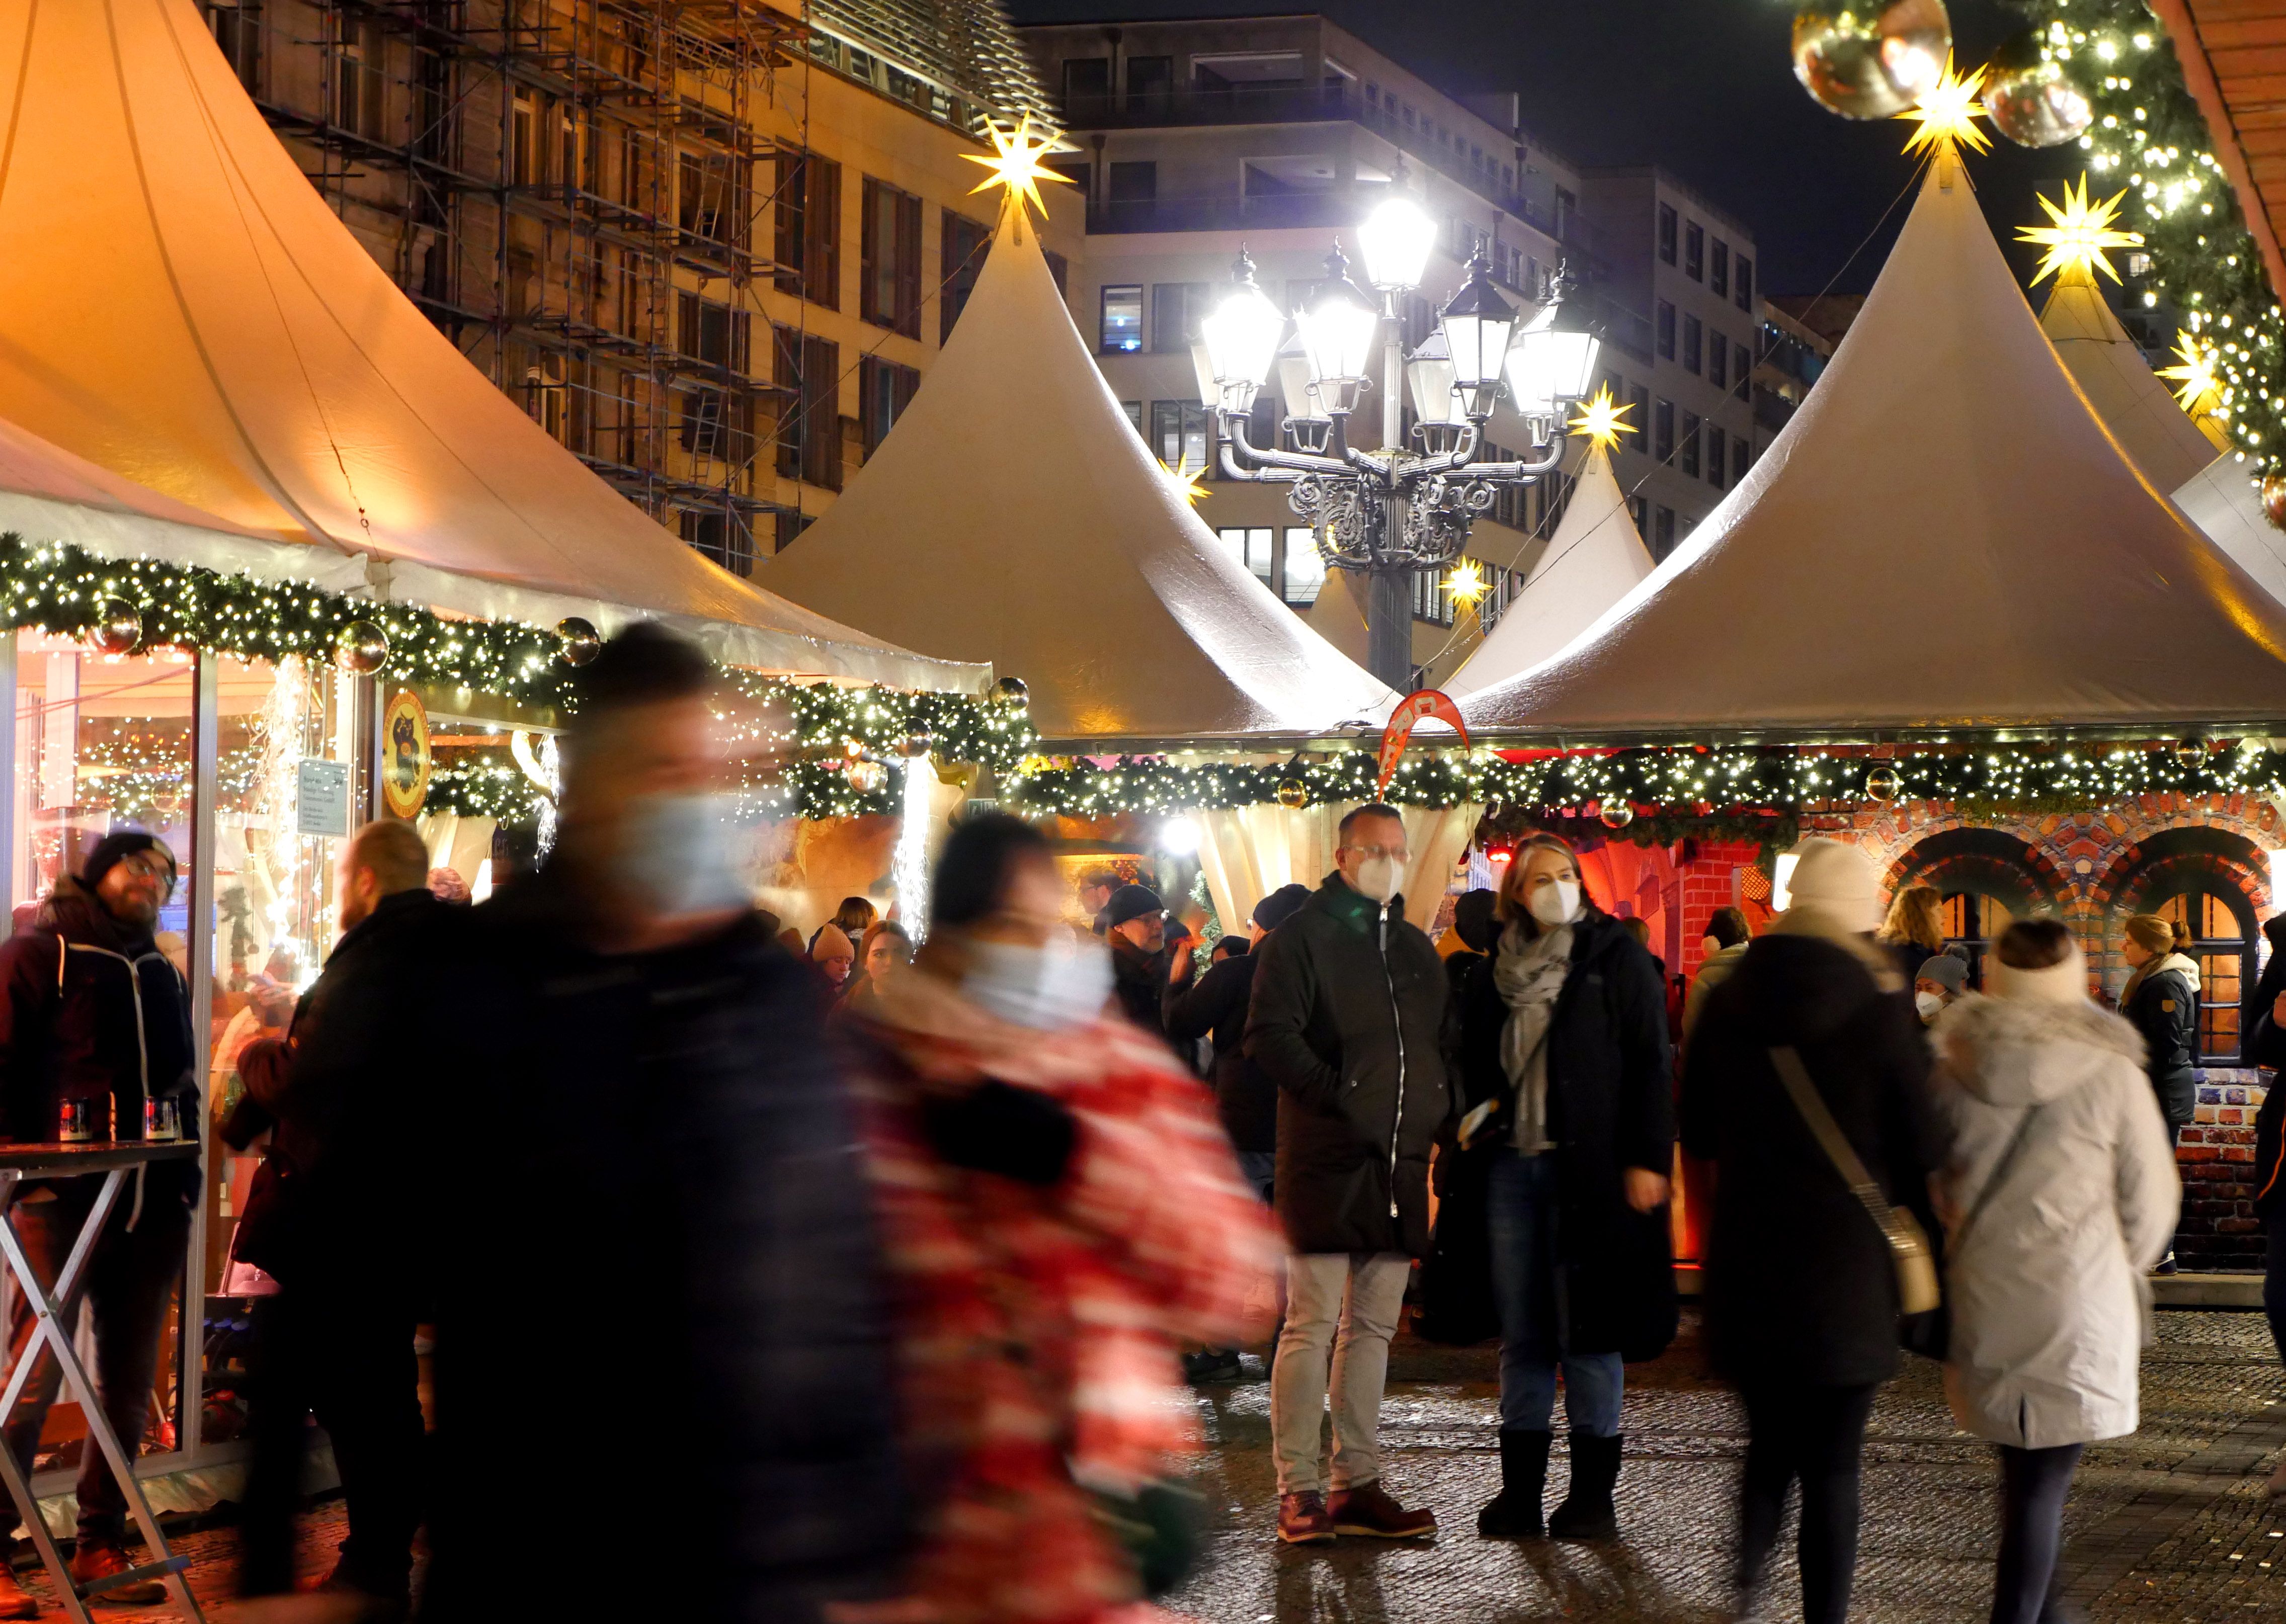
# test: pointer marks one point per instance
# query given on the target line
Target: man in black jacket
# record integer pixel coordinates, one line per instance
(327, 1218)
(94, 1012)
(663, 1255)
(1142, 964)
(1347, 1018)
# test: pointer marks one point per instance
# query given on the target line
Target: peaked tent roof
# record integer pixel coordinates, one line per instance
(2119, 384)
(1943, 536)
(179, 305)
(1336, 617)
(2222, 500)
(1594, 559)
(1013, 515)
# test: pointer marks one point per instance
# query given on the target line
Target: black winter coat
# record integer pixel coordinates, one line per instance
(70, 1026)
(1244, 1095)
(1140, 982)
(665, 1163)
(2164, 1007)
(1611, 1106)
(2264, 1045)
(1800, 1285)
(1346, 1019)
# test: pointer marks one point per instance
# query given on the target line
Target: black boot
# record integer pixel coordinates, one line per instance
(1514, 1513)
(1587, 1513)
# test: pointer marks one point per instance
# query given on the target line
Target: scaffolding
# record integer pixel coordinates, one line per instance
(571, 190)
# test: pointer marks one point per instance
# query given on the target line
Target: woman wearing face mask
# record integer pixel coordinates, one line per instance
(1565, 1070)
(1060, 1211)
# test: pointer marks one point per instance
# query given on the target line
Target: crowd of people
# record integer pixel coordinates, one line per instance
(884, 1265)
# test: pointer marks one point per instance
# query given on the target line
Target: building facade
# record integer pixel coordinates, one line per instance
(710, 246)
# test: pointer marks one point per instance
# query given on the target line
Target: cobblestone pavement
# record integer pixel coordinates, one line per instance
(2171, 1523)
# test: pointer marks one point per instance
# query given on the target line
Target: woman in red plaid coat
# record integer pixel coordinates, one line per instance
(1061, 1211)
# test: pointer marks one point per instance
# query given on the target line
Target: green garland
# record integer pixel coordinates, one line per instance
(2150, 138)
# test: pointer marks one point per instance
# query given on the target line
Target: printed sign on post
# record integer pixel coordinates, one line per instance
(321, 798)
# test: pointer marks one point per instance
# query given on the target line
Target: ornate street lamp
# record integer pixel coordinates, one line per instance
(1391, 513)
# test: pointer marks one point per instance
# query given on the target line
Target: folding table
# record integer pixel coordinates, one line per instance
(49, 1302)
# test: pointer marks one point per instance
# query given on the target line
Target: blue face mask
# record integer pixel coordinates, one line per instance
(675, 854)
(1046, 988)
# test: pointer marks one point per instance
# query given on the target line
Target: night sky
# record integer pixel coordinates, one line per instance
(1703, 88)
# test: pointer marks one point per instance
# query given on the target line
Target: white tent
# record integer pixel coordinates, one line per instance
(1337, 618)
(180, 306)
(2128, 398)
(1013, 515)
(2222, 500)
(1594, 559)
(1943, 536)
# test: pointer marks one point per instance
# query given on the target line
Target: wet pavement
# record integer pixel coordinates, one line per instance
(2171, 1523)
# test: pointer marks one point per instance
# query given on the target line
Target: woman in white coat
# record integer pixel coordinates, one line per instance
(2060, 1193)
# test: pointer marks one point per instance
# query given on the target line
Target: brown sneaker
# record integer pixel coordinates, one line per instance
(15, 1601)
(1365, 1509)
(1301, 1519)
(92, 1563)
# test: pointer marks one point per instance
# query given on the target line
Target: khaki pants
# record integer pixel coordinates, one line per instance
(1347, 1303)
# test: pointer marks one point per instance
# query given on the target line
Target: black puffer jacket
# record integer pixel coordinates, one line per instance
(1347, 1020)
(1215, 1008)
(2164, 1009)
(1800, 1285)
(71, 1025)
(1611, 1106)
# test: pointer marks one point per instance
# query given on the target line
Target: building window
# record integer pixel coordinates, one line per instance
(1304, 575)
(1249, 547)
(1718, 360)
(1691, 445)
(788, 529)
(710, 193)
(712, 415)
(890, 251)
(1694, 251)
(2220, 948)
(1666, 330)
(1662, 430)
(723, 536)
(809, 229)
(1129, 190)
(808, 370)
(1182, 434)
(1134, 410)
(1150, 81)
(1087, 88)
(1639, 510)
(1121, 331)
(1718, 271)
(1639, 398)
(238, 30)
(960, 259)
(1745, 293)
(1715, 461)
(1176, 311)
(884, 390)
(1741, 459)
(1690, 345)
(1662, 532)
(1742, 365)
(1667, 233)
(1430, 602)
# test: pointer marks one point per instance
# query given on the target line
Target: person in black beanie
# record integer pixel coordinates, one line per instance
(1142, 964)
(94, 1011)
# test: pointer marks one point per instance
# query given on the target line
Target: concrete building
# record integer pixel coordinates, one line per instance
(710, 245)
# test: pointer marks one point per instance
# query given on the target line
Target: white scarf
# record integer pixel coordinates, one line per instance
(1529, 972)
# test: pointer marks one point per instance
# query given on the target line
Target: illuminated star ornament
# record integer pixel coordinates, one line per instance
(1191, 486)
(1948, 114)
(1015, 163)
(1466, 584)
(2197, 389)
(1601, 419)
(2077, 235)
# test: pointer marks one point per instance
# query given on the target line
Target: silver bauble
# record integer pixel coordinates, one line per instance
(866, 776)
(1616, 814)
(1011, 691)
(362, 647)
(118, 627)
(2190, 752)
(1869, 60)
(577, 641)
(1882, 784)
(2031, 101)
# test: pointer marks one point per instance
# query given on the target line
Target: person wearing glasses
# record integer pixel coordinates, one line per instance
(95, 1017)
(1347, 1018)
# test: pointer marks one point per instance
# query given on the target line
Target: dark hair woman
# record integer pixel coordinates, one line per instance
(1566, 1071)
(1914, 928)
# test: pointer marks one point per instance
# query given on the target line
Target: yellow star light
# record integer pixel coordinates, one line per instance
(2197, 389)
(2077, 233)
(1600, 420)
(1465, 583)
(1948, 114)
(1191, 486)
(1015, 162)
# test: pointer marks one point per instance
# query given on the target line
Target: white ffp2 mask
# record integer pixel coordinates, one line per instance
(1556, 903)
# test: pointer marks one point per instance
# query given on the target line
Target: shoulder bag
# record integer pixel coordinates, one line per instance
(1909, 1248)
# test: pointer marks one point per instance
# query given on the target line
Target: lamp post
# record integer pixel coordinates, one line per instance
(1391, 513)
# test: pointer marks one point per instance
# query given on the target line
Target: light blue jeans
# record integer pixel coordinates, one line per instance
(1524, 1200)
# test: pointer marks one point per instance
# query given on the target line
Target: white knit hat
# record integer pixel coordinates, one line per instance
(1835, 879)
(2059, 983)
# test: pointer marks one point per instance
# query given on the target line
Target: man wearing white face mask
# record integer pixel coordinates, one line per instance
(1347, 1018)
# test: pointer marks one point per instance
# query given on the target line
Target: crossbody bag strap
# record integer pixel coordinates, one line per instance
(1829, 1134)
(1998, 1176)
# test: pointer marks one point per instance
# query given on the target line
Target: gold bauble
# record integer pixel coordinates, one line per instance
(577, 640)
(2190, 752)
(1011, 691)
(1293, 794)
(1869, 60)
(1616, 814)
(362, 649)
(2030, 100)
(118, 627)
(865, 777)
(2274, 499)
(1882, 784)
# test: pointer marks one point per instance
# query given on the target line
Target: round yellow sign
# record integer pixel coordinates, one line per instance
(405, 761)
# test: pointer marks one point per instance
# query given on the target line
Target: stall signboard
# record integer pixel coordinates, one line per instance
(405, 758)
(321, 798)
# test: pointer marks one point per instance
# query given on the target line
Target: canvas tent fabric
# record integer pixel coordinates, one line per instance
(2222, 500)
(2127, 396)
(1594, 559)
(1336, 617)
(1013, 515)
(179, 305)
(1943, 536)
